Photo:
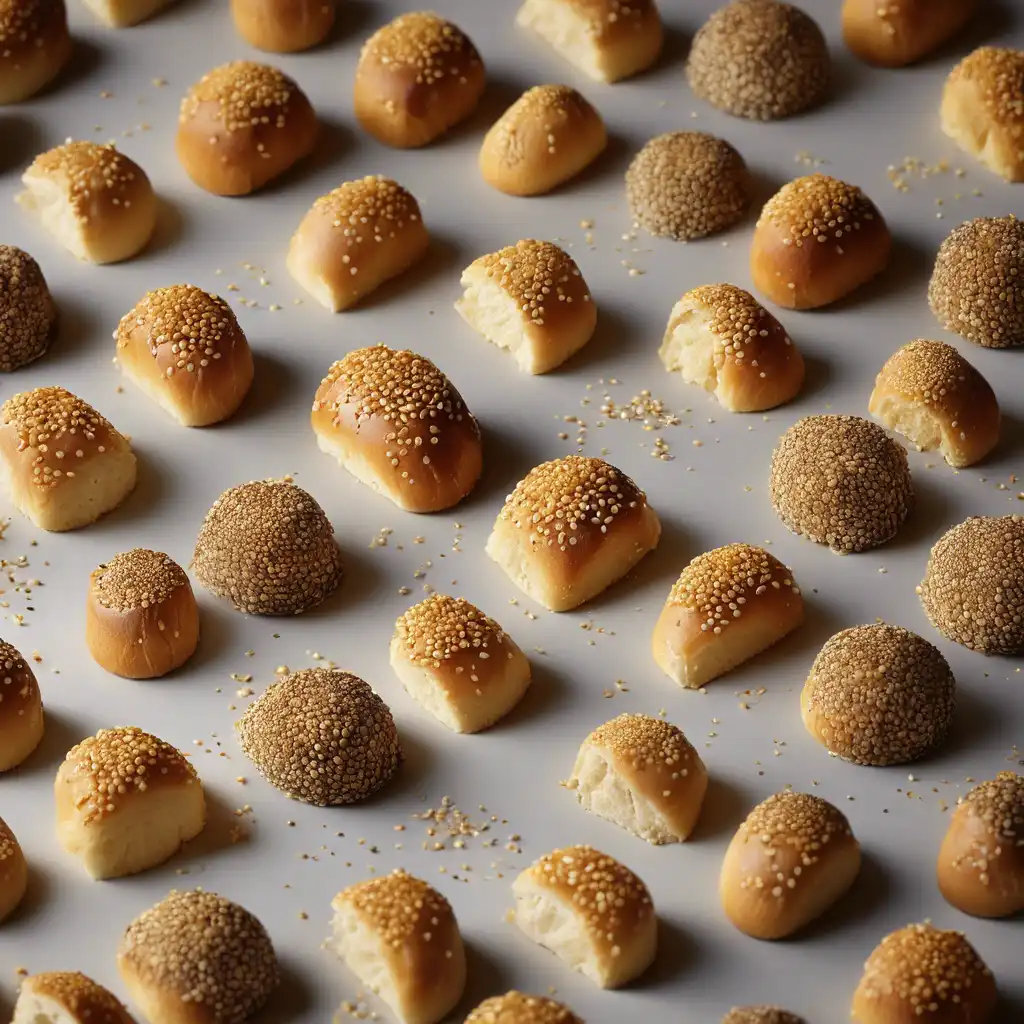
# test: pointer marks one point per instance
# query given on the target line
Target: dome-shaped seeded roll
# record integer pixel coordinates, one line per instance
(722, 339)
(96, 202)
(354, 239)
(920, 973)
(268, 548)
(817, 240)
(458, 663)
(760, 59)
(792, 858)
(529, 298)
(644, 775)
(321, 736)
(241, 126)
(13, 872)
(34, 46)
(591, 911)
(685, 185)
(398, 425)
(197, 958)
(929, 393)
(841, 481)
(518, 1008)
(571, 528)
(28, 314)
(283, 26)
(727, 606)
(977, 286)
(761, 1015)
(64, 465)
(399, 937)
(543, 140)
(606, 39)
(417, 77)
(21, 709)
(981, 109)
(878, 695)
(141, 619)
(892, 35)
(973, 587)
(67, 997)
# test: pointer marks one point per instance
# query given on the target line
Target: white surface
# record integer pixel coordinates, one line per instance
(708, 495)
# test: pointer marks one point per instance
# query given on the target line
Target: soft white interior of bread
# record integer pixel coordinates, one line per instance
(308, 275)
(914, 421)
(566, 30)
(688, 348)
(356, 464)
(515, 559)
(492, 312)
(153, 387)
(423, 687)
(963, 121)
(34, 1009)
(47, 198)
(363, 952)
(553, 923)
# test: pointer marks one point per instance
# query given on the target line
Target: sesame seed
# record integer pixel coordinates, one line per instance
(136, 579)
(515, 1007)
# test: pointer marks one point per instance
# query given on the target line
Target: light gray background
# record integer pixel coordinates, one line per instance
(710, 494)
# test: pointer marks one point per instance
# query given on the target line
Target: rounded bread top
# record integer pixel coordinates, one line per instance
(422, 47)
(137, 580)
(19, 691)
(91, 174)
(998, 73)
(246, 94)
(518, 1008)
(818, 208)
(443, 630)
(27, 310)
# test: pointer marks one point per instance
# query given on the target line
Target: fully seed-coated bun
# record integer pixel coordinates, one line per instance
(28, 314)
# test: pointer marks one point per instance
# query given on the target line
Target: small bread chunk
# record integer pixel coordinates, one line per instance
(399, 937)
(21, 708)
(125, 13)
(34, 46)
(893, 34)
(518, 1008)
(13, 872)
(66, 997)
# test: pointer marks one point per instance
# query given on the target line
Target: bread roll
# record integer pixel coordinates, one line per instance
(399, 937)
(644, 775)
(398, 425)
(94, 201)
(591, 911)
(722, 339)
(571, 528)
(517, 1008)
(817, 240)
(64, 997)
(892, 35)
(545, 138)
(727, 606)
(63, 464)
(141, 618)
(34, 46)
(13, 872)
(241, 126)
(126, 802)
(417, 77)
(28, 314)
(761, 1015)
(981, 862)
(354, 239)
(197, 958)
(607, 39)
(981, 109)
(790, 860)
(124, 13)
(531, 299)
(21, 709)
(283, 26)
(460, 665)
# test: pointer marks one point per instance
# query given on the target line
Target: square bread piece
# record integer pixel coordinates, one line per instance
(458, 664)
(123, 13)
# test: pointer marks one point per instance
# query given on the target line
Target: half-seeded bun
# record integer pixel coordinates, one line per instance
(519, 1008)
(66, 997)
(283, 26)
(21, 709)
(892, 35)
(34, 46)
(13, 873)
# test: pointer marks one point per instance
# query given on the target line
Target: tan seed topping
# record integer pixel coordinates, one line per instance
(558, 110)
(645, 743)
(370, 209)
(517, 1008)
(24, 23)
(999, 74)
(817, 208)
(441, 628)
(399, 907)
(761, 1015)
(996, 810)
(27, 311)
(425, 44)
(737, 318)
(929, 372)
(248, 95)
(137, 579)
(89, 172)
(82, 997)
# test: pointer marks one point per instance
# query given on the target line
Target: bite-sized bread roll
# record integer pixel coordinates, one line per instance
(28, 314)
(761, 1015)
(398, 425)
(892, 35)
(417, 77)
(126, 802)
(518, 1008)
(355, 238)
(791, 859)
(644, 775)
(921, 974)
(185, 349)
(458, 663)
(34, 46)
(981, 861)
(878, 695)
(399, 937)
(545, 138)
(141, 618)
(571, 528)
(13, 872)
(95, 201)
(607, 39)
(283, 26)
(67, 997)
(592, 912)
(21, 709)
(197, 958)
(125, 13)
(982, 112)
(321, 736)
(64, 465)
(268, 548)
(727, 606)
(722, 339)
(241, 126)
(929, 393)
(531, 299)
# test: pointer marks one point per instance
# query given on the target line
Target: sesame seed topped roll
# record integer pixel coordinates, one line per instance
(28, 314)
(894, 33)
(64, 464)
(398, 425)
(21, 708)
(417, 77)
(761, 1015)
(518, 1008)
(13, 872)
(817, 240)
(67, 997)
(531, 299)
(241, 126)
(283, 26)
(398, 935)
(355, 238)
(591, 911)
(34, 46)
(571, 528)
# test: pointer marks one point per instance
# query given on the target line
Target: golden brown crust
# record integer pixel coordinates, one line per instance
(78, 996)
(283, 26)
(894, 33)
(519, 1008)
(13, 872)
(28, 314)
(34, 46)
(21, 708)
